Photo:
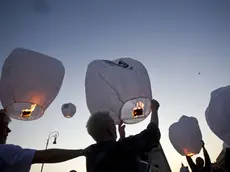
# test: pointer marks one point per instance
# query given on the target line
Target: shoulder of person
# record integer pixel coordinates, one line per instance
(14, 155)
(9, 148)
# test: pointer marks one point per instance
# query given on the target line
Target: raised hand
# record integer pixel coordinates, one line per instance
(202, 142)
(121, 129)
(154, 105)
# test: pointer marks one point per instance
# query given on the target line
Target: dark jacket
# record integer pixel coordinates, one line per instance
(227, 160)
(123, 155)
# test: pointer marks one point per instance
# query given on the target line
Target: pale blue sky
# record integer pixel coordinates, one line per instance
(174, 40)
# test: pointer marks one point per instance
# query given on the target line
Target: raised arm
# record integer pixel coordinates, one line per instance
(208, 163)
(121, 129)
(191, 164)
(147, 139)
(143, 142)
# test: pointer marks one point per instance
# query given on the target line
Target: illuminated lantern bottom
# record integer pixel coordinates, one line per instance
(188, 153)
(25, 111)
(135, 110)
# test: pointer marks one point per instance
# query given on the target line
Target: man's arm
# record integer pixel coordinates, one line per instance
(121, 129)
(14, 155)
(147, 139)
(191, 164)
(56, 155)
(208, 163)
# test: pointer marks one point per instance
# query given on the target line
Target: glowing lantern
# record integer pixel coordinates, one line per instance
(217, 113)
(185, 136)
(68, 110)
(29, 83)
(121, 87)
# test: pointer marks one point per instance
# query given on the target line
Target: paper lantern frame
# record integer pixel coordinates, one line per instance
(126, 112)
(32, 114)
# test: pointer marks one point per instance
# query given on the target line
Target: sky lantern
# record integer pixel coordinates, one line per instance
(185, 136)
(218, 113)
(121, 87)
(68, 110)
(29, 83)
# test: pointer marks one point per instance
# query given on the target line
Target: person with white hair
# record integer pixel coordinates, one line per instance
(13, 158)
(111, 155)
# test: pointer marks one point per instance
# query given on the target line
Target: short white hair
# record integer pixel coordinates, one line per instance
(98, 125)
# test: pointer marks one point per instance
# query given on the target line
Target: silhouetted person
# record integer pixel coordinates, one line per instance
(13, 158)
(200, 166)
(109, 155)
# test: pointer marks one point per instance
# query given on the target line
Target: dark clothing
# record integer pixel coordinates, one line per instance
(227, 160)
(206, 168)
(123, 155)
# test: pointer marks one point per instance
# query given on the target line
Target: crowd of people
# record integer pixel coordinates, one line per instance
(125, 155)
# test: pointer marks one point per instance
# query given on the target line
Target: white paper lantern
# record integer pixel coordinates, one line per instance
(68, 110)
(218, 113)
(121, 87)
(185, 136)
(29, 83)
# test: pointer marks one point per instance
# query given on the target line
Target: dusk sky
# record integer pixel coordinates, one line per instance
(175, 40)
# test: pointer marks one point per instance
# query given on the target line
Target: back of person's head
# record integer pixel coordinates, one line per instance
(4, 130)
(101, 127)
(199, 162)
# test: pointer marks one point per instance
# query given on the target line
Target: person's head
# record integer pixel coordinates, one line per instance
(4, 129)
(101, 127)
(199, 162)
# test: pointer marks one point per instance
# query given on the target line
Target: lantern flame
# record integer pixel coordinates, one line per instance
(138, 110)
(28, 112)
(187, 153)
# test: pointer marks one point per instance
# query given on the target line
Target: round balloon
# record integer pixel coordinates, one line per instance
(68, 110)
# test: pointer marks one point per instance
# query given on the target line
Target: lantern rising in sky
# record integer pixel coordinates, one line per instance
(68, 110)
(185, 136)
(122, 87)
(26, 94)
